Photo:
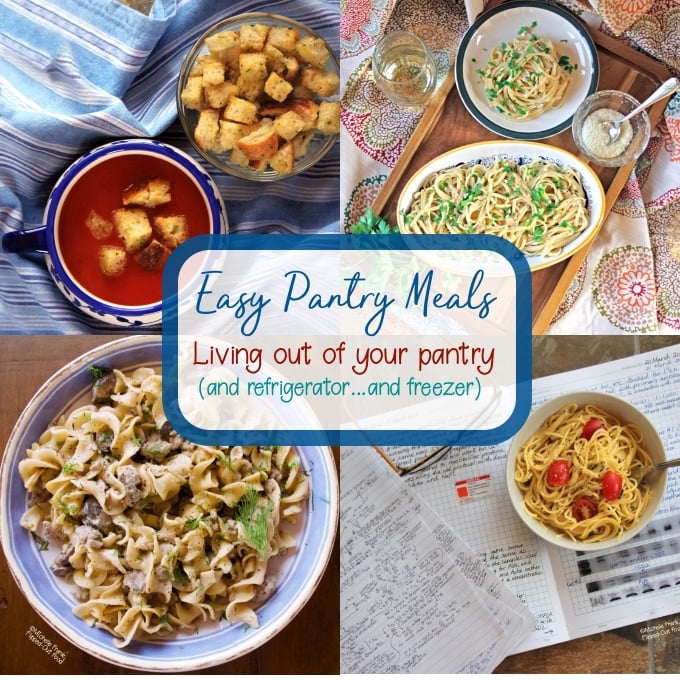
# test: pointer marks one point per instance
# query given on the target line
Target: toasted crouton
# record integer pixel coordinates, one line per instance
(238, 157)
(288, 124)
(192, 93)
(301, 143)
(259, 165)
(148, 193)
(276, 87)
(283, 161)
(225, 46)
(328, 120)
(308, 110)
(240, 111)
(171, 229)
(323, 82)
(207, 129)
(230, 133)
(99, 226)
(153, 256)
(252, 37)
(112, 260)
(217, 96)
(260, 144)
(252, 75)
(133, 227)
(284, 38)
(213, 69)
(313, 51)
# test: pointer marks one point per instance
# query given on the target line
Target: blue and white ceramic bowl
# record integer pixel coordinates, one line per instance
(297, 574)
(46, 237)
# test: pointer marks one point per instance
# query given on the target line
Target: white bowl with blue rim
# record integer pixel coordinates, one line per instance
(502, 24)
(297, 574)
(45, 238)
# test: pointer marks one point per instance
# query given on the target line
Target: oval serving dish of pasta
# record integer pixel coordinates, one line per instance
(156, 538)
(579, 473)
(543, 200)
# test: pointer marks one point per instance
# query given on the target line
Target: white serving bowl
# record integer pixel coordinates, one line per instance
(501, 24)
(626, 413)
(297, 574)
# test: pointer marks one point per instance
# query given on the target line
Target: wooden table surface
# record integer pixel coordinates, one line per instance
(309, 644)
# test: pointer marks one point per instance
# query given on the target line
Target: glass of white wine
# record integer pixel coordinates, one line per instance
(404, 70)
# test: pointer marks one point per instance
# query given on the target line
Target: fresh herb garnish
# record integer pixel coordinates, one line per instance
(253, 518)
(42, 543)
(370, 223)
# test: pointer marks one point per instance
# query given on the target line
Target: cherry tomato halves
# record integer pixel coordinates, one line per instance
(612, 485)
(591, 427)
(583, 508)
(558, 473)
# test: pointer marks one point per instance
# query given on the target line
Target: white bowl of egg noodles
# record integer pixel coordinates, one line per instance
(544, 200)
(151, 543)
(573, 471)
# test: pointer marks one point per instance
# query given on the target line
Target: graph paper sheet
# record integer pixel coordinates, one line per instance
(569, 593)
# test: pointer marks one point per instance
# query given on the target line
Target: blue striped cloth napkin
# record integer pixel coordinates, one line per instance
(75, 74)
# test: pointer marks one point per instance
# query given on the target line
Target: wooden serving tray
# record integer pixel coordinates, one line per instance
(446, 124)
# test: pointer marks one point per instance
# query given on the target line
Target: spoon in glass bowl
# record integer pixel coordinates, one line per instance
(613, 127)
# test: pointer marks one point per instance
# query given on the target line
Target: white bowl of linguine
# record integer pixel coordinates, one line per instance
(545, 201)
(186, 533)
(573, 470)
(523, 68)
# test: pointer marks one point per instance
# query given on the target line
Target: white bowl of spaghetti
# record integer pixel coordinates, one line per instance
(573, 471)
(544, 200)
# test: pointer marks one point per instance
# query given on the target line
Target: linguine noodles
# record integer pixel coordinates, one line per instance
(525, 77)
(538, 206)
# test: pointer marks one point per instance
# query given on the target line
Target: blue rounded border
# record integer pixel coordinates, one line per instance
(331, 242)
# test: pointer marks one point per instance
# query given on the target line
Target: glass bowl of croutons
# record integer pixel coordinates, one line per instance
(258, 96)
(113, 219)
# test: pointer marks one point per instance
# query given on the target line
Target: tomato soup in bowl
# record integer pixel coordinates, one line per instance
(113, 219)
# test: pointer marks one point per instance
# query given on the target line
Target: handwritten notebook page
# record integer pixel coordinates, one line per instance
(515, 618)
(407, 599)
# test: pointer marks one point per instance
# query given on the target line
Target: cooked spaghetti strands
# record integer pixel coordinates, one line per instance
(539, 207)
(526, 77)
(617, 447)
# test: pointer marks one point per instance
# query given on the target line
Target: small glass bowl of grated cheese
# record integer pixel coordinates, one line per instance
(591, 136)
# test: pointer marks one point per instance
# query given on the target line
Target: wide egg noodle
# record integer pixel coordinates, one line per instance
(617, 447)
(154, 535)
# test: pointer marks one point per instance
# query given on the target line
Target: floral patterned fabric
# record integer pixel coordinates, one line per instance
(630, 281)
